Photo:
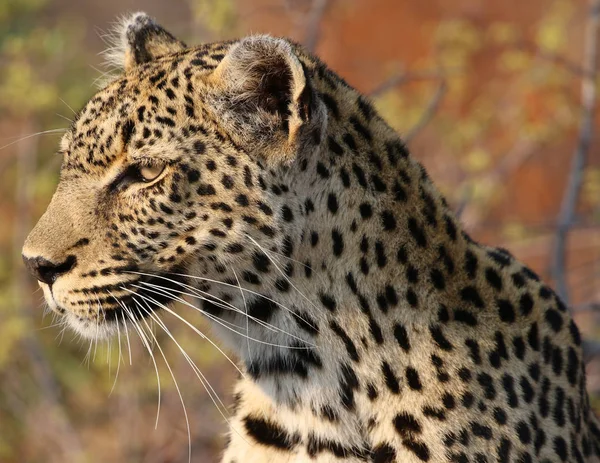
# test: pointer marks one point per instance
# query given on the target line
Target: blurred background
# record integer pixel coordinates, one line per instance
(497, 99)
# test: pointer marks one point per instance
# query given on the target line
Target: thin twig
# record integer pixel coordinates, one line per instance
(401, 78)
(313, 30)
(555, 58)
(429, 112)
(569, 202)
(587, 307)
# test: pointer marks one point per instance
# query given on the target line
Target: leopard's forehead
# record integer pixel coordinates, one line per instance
(151, 101)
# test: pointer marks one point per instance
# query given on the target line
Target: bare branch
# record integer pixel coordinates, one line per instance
(587, 307)
(569, 203)
(313, 30)
(429, 112)
(405, 77)
(555, 58)
(591, 349)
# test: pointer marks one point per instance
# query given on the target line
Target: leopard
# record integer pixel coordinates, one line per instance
(249, 180)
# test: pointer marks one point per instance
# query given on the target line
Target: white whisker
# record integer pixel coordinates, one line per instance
(118, 359)
(220, 322)
(67, 105)
(196, 330)
(282, 273)
(246, 312)
(174, 296)
(209, 280)
(147, 346)
(45, 132)
(201, 377)
(127, 336)
(187, 422)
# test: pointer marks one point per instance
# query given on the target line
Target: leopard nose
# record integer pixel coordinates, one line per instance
(46, 271)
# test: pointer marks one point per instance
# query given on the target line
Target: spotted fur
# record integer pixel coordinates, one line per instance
(386, 334)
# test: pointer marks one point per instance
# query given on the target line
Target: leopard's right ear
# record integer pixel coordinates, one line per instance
(137, 39)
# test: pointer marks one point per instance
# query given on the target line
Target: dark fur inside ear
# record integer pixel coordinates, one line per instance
(138, 39)
(274, 90)
(264, 94)
(306, 100)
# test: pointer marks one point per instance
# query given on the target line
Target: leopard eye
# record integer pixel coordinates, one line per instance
(137, 173)
(151, 172)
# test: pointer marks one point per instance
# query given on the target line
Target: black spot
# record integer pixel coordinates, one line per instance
(412, 274)
(332, 203)
(437, 278)
(261, 309)
(520, 347)
(304, 321)
(350, 347)
(572, 366)
(399, 192)
(506, 311)
(338, 242)
(525, 304)
(411, 298)
(383, 453)
(127, 131)
(413, 380)
(331, 104)
(523, 432)
(360, 129)
(504, 450)
(322, 170)
(391, 380)
(479, 430)
(487, 383)
(261, 262)
(560, 447)
(493, 278)
(401, 336)
(360, 175)
(206, 189)
(474, 350)
(439, 338)
(450, 227)
(287, 214)
(533, 337)
(500, 416)
(554, 319)
(417, 232)
(463, 316)
(471, 264)
(388, 220)
(349, 141)
(328, 301)
(199, 147)
(334, 147)
(471, 295)
(380, 254)
(270, 434)
(407, 425)
(418, 448)
(348, 384)
(365, 210)
(372, 393)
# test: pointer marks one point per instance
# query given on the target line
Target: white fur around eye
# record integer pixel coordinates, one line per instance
(151, 172)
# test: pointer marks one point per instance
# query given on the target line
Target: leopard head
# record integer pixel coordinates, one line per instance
(175, 173)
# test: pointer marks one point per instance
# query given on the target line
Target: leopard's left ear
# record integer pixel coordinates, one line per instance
(137, 39)
(266, 99)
